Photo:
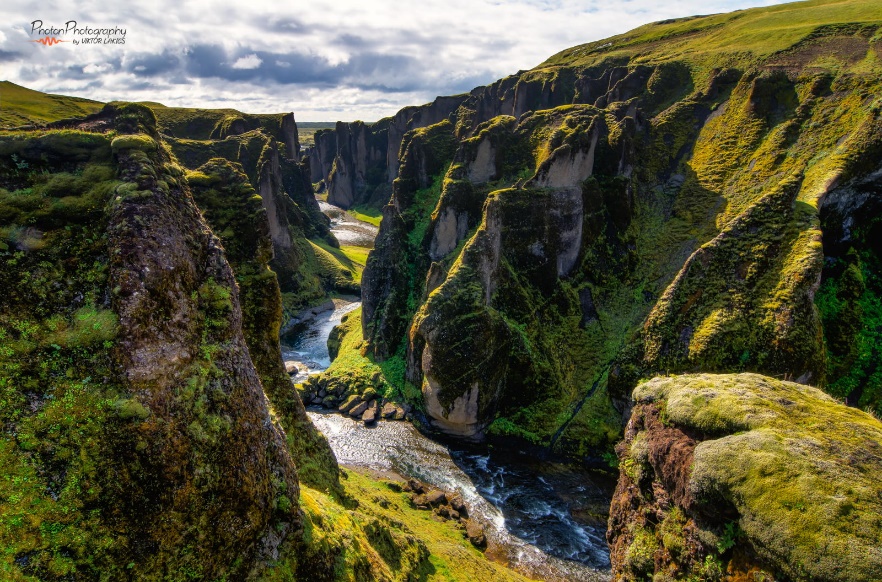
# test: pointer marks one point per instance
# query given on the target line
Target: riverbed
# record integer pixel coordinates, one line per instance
(545, 518)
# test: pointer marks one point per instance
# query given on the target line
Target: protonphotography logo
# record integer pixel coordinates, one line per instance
(73, 33)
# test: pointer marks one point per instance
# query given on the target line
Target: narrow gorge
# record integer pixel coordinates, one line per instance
(616, 317)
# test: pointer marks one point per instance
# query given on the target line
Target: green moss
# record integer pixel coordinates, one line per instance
(800, 469)
(851, 312)
(236, 214)
(135, 142)
(384, 538)
(639, 558)
(128, 409)
(58, 383)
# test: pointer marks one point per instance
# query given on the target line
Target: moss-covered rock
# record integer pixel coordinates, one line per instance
(234, 211)
(758, 474)
(139, 414)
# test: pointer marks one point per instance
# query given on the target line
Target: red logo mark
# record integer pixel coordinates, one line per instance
(49, 40)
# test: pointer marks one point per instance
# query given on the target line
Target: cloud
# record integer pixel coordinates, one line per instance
(251, 61)
(94, 68)
(325, 60)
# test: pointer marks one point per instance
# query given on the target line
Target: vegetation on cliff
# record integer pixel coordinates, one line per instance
(648, 203)
(23, 106)
(135, 413)
(141, 383)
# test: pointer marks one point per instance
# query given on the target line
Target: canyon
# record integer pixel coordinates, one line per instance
(653, 258)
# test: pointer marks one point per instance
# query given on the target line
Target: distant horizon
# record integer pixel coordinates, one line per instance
(341, 62)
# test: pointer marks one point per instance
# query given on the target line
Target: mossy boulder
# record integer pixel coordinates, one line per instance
(137, 142)
(765, 474)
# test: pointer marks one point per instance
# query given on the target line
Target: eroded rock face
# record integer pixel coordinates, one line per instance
(745, 475)
(286, 194)
(168, 256)
(228, 203)
(181, 430)
(359, 163)
(602, 223)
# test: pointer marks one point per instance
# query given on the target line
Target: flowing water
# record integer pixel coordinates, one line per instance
(544, 518)
(347, 229)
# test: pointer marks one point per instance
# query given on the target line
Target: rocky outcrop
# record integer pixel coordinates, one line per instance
(744, 476)
(390, 270)
(219, 124)
(286, 195)
(360, 150)
(166, 421)
(228, 202)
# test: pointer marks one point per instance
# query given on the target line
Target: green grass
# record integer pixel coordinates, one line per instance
(343, 266)
(22, 106)
(383, 538)
(757, 32)
(356, 254)
(358, 369)
(367, 214)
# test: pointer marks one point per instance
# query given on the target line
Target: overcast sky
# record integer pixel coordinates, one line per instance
(340, 59)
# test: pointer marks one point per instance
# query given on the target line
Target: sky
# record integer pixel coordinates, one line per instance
(325, 61)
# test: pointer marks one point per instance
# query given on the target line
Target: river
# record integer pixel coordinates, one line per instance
(545, 518)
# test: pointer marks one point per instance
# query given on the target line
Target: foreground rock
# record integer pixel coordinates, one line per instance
(748, 476)
(354, 398)
(148, 413)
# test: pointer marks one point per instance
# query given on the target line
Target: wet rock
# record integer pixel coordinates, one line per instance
(415, 486)
(399, 414)
(389, 410)
(475, 533)
(359, 409)
(371, 415)
(329, 401)
(459, 505)
(436, 497)
(350, 403)
(292, 367)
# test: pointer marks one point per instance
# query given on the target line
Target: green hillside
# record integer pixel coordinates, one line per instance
(22, 106)
(740, 36)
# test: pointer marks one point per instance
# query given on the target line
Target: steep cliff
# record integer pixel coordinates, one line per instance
(232, 208)
(671, 199)
(745, 477)
(358, 163)
(297, 225)
(134, 413)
